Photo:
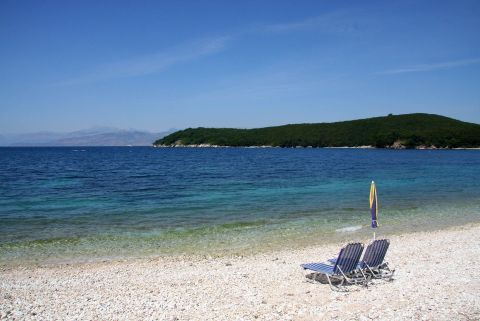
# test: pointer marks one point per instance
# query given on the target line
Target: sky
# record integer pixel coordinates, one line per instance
(155, 65)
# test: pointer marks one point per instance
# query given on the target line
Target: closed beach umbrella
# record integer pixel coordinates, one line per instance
(374, 206)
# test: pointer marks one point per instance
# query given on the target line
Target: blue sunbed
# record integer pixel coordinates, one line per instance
(345, 268)
(373, 259)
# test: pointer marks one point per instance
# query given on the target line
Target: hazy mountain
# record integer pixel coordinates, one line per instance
(97, 136)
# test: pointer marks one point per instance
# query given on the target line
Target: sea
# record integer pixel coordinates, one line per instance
(82, 204)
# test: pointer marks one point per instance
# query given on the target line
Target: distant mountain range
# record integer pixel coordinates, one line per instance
(392, 131)
(97, 136)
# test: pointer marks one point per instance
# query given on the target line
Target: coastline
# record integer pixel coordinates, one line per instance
(326, 147)
(229, 240)
(266, 286)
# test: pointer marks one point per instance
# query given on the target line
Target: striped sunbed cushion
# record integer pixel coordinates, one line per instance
(319, 267)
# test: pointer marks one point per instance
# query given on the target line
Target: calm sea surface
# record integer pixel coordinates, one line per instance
(62, 204)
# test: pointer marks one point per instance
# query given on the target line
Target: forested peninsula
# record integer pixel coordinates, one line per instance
(392, 131)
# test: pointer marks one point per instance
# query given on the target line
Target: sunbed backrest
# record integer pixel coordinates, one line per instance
(375, 253)
(348, 258)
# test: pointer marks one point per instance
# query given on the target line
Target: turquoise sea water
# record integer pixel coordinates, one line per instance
(63, 204)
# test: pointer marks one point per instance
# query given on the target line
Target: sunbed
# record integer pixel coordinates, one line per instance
(345, 269)
(373, 259)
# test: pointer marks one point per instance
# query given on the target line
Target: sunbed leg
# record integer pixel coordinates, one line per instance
(375, 275)
(354, 279)
(335, 287)
(389, 277)
(365, 279)
(329, 282)
(371, 271)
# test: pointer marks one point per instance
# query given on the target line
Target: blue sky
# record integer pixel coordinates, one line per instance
(154, 65)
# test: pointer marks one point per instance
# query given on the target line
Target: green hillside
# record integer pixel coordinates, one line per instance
(410, 130)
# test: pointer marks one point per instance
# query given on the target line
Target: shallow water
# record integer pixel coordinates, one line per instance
(99, 203)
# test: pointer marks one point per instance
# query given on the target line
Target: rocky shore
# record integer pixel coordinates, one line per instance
(436, 279)
(394, 146)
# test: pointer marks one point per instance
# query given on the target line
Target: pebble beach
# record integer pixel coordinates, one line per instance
(436, 278)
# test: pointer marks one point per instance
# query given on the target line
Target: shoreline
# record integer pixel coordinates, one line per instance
(315, 147)
(67, 254)
(219, 255)
(264, 286)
